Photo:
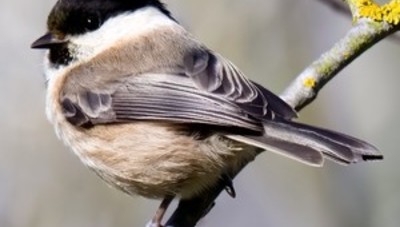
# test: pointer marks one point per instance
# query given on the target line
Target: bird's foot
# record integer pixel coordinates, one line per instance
(153, 224)
(157, 219)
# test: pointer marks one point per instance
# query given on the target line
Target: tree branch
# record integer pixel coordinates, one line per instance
(306, 86)
(367, 30)
(365, 33)
(341, 7)
(189, 212)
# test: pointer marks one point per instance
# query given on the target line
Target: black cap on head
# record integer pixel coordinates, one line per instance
(79, 16)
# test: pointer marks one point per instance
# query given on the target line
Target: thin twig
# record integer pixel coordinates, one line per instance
(303, 90)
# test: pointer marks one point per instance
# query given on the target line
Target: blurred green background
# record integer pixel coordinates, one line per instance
(43, 184)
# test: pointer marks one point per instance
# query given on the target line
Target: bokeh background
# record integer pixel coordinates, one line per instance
(43, 184)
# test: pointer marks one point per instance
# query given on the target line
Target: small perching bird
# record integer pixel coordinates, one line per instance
(154, 112)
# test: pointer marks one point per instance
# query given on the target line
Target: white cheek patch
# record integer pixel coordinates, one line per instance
(131, 24)
(128, 25)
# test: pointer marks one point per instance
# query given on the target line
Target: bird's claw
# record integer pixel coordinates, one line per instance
(153, 224)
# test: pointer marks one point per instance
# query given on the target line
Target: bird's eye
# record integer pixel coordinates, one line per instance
(92, 22)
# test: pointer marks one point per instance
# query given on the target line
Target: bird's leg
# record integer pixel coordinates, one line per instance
(156, 221)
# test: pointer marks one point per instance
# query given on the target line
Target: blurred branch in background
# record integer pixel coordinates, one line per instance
(338, 6)
(371, 23)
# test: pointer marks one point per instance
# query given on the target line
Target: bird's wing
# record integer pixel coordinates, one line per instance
(165, 97)
(207, 89)
(218, 76)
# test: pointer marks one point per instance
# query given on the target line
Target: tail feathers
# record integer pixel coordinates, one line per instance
(361, 149)
(309, 144)
(293, 150)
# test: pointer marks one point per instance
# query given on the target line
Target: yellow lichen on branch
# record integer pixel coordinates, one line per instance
(309, 82)
(389, 12)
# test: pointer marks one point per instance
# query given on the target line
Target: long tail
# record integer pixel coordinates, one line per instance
(309, 144)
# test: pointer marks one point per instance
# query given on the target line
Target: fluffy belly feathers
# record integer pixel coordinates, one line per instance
(154, 159)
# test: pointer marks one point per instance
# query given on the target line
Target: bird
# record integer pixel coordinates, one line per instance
(154, 112)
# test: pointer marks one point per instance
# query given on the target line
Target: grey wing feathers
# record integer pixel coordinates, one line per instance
(219, 76)
(164, 97)
(175, 98)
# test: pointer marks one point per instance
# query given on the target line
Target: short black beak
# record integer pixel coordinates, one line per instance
(46, 41)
